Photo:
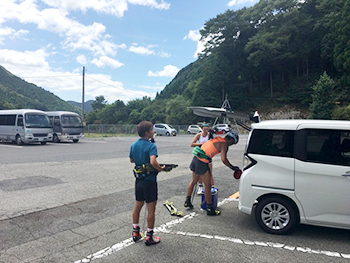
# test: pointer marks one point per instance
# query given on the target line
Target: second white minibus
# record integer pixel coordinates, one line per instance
(66, 126)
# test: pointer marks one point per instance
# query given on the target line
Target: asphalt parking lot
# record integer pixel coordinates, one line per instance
(73, 202)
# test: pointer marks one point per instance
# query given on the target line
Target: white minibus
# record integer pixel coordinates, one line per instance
(66, 126)
(25, 126)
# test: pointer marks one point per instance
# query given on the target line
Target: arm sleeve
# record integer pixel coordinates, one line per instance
(153, 150)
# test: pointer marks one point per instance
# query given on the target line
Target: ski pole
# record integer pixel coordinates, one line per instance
(144, 221)
(194, 192)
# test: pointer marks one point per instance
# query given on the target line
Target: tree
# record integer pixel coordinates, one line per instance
(322, 98)
(99, 103)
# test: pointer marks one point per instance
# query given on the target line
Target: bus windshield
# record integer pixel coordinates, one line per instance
(37, 120)
(71, 121)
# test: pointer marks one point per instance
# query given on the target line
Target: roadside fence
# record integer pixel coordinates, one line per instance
(114, 129)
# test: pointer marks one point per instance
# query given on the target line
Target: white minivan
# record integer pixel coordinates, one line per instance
(297, 171)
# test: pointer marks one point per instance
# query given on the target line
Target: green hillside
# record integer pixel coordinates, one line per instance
(16, 93)
(269, 56)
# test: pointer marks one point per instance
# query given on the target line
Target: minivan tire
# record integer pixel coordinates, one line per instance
(167, 134)
(276, 215)
(18, 140)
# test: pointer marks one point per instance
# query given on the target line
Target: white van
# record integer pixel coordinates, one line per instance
(66, 126)
(297, 171)
(25, 126)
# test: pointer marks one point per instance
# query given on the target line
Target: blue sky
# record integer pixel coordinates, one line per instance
(129, 48)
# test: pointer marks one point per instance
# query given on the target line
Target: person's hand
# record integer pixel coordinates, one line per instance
(235, 168)
(162, 167)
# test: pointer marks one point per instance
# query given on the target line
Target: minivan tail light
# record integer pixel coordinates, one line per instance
(248, 162)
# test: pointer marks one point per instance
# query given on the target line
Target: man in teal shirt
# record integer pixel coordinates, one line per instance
(142, 153)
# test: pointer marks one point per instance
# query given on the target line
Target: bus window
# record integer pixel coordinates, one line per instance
(20, 121)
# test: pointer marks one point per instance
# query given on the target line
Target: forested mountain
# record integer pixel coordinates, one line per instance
(16, 93)
(87, 104)
(276, 54)
(270, 54)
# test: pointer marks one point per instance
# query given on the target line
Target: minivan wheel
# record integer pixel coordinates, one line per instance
(167, 134)
(18, 140)
(43, 143)
(188, 132)
(276, 215)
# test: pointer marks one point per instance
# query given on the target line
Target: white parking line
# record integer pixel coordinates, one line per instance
(165, 229)
(128, 242)
(95, 141)
(11, 146)
(259, 243)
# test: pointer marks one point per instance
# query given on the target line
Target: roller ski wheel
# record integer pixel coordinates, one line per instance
(172, 209)
(136, 235)
(212, 212)
(150, 239)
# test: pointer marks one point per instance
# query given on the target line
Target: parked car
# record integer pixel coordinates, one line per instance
(164, 129)
(194, 129)
(222, 128)
(297, 171)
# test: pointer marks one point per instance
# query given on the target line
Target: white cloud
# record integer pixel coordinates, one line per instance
(33, 67)
(106, 61)
(193, 35)
(112, 90)
(142, 50)
(168, 71)
(81, 59)
(239, 2)
(112, 7)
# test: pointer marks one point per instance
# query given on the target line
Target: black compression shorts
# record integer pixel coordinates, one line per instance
(198, 166)
(146, 191)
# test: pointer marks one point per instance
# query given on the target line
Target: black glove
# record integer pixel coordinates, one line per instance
(235, 168)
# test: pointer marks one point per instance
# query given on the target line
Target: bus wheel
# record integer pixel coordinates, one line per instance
(43, 143)
(75, 141)
(55, 138)
(19, 140)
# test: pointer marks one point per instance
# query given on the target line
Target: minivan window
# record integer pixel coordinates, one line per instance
(328, 146)
(272, 142)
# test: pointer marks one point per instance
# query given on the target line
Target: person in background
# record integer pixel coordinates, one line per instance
(198, 140)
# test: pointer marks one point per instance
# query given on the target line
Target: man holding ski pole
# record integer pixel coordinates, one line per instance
(144, 153)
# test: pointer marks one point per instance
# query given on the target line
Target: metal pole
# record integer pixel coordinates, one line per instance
(82, 103)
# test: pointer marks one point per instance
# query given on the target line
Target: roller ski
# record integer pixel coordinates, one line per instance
(168, 167)
(188, 203)
(150, 239)
(172, 209)
(136, 235)
(211, 211)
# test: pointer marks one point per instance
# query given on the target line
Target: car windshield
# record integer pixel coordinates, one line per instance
(71, 121)
(37, 120)
(170, 126)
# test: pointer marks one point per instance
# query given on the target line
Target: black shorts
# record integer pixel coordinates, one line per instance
(198, 166)
(146, 191)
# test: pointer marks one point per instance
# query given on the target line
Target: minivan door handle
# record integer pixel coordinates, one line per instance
(346, 174)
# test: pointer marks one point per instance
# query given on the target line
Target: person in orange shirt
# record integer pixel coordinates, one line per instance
(200, 167)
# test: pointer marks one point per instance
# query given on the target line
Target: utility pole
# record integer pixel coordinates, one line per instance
(82, 104)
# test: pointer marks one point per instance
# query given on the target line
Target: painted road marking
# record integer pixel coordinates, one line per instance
(11, 146)
(260, 243)
(235, 196)
(165, 228)
(128, 242)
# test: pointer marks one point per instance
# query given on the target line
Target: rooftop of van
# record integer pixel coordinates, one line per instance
(298, 124)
